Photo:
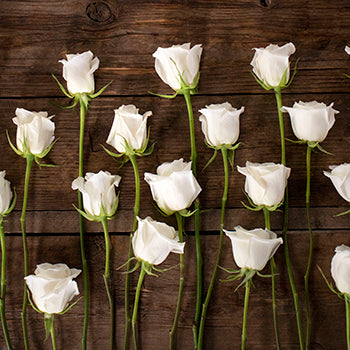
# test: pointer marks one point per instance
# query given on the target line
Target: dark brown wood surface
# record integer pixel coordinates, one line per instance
(34, 35)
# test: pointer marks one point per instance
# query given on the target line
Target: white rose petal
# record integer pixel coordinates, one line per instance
(5, 193)
(340, 268)
(340, 177)
(153, 241)
(220, 124)
(253, 249)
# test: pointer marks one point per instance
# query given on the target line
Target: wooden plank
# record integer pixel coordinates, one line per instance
(158, 297)
(124, 38)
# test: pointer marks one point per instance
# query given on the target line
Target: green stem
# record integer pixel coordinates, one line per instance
(173, 331)
(136, 303)
(30, 159)
(245, 313)
(83, 111)
(307, 273)
(213, 277)
(130, 254)
(3, 286)
(278, 95)
(196, 221)
(106, 278)
(273, 285)
(347, 308)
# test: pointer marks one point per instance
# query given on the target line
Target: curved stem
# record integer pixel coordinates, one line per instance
(83, 110)
(3, 286)
(213, 277)
(245, 312)
(106, 278)
(307, 273)
(278, 95)
(273, 285)
(136, 303)
(29, 159)
(196, 221)
(130, 254)
(173, 331)
(347, 308)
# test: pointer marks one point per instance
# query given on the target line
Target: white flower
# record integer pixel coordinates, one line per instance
(265, 183)
(340, 177)
(174, 187)
(5, 193)
(347, 50)
(153, 241)
(52, 287)
(311, 121)
(98, 190)
(253, 249)
(340, 268)
(78, 71)
(35, 131)
(178, 60)
(128, 126)
(271, 64)
(220, 124)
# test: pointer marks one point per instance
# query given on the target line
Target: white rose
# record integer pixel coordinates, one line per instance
(52, 287)
(178, 59)
(271, 64)
(128, 126)
(340, 268)
(347, 50)
(35, 131)
(174, 187)
(253, 249)
(153, 241)
(340, 177)
(5, 193)
(311, 121)
(220, 124)
(98, 190)
(265, 183)
(78, 71)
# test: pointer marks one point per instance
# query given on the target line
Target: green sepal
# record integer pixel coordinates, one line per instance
(341, 214)
(347, 75)
(294, 72)
(49, 324)
(114, 209)
(266, 276)
(12, 206)
(164, 96)
(211, 159)
(321, 149)
(129, 260)
(162, 211)
(85, 215)
(299, 142)
(148, 268)
(100, 91)
(187, 213)
(147, 152)
(75, 102)
(260, 82)
(48, 149)
(61, 87)
(112, 154)
(166, 269)
(69, 307)
(32, 303)
(330, 285)
(18, 152)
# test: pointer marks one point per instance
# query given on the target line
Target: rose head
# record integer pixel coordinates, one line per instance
(271, 64)
(174, 187)
(128, 127)
(220, 124)
(78, 71)
(52, 287)
(178, 65)
(265, 183)
(153, 241)
(253, 249)
(311, 121)
(5, 193)
(98, 190)
(340, 268)
(340, 177)
(35, 131)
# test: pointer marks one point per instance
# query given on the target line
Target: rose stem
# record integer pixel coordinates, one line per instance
(136, 303)
(3, 285)
(307, 273)
(50, 328)
(173, 331)
(106, 278)
(83, 110)
(347, 306)
(245, 312)
(213, 277)
(278, 96)
(273, 284)
(132, 158)
(30, 159)
(187, 96)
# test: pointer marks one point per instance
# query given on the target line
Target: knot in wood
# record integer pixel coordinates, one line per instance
(265, 3)
(99, 12)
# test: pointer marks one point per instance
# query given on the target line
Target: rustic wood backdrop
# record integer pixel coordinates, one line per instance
(123, 34)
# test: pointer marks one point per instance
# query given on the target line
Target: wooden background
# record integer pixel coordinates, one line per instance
(34, 35)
